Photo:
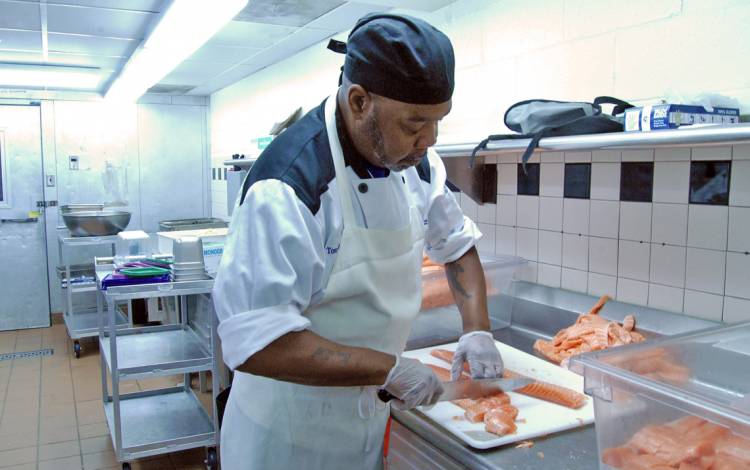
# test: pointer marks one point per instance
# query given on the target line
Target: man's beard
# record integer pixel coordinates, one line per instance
(378, 146)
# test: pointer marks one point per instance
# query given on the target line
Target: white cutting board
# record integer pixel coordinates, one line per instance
(541, 417)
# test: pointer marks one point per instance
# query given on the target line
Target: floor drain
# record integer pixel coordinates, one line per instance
(27, 354)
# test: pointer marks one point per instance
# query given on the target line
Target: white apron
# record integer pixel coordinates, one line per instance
(371, 300)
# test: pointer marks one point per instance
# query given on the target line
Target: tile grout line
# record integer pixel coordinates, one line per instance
(75, 407)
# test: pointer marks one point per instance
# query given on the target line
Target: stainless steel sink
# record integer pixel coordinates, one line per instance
(96, 223)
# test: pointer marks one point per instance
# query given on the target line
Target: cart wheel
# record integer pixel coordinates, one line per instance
(77, 349)
(212, 460)
(125, 466)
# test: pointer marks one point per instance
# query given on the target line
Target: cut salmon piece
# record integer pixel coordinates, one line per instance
(726, 462)
(599, 304)
(498, 421)
(464, 403)
(443, 374)
(628, 322)
(627, 458)
(447, 356)
(734, 446)
(666, 443)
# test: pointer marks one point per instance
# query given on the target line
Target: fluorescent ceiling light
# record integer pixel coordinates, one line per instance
(49, 76)
(183, 28)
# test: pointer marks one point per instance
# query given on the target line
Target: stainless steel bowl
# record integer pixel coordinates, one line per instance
(96, 223)
(81, 208)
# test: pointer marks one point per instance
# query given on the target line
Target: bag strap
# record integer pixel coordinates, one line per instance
(620, 105)
(483, 144)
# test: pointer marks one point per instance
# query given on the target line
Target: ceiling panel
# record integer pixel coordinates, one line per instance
(286, 12)
(211, 52)
(16, 15)
(20, 40)
(135, 5)
(193, 73)
(344, 17)
(97, 21)
(103, 62)
(422, 5)
(90, 45)
(236, 73)
(256, 35)
(20, 57)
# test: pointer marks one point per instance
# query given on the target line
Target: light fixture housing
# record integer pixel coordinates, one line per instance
(49, 76)
(183, 28)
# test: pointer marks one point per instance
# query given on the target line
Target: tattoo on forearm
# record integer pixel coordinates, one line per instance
(453, 271)
(325, 354)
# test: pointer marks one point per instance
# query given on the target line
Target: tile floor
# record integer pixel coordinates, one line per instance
(51, 414)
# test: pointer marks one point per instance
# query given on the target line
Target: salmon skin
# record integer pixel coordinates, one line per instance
(689, 443)
(540, 390)
(590, 332)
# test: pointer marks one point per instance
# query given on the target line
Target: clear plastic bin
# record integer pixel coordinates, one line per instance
(703, 374)
(498, 273)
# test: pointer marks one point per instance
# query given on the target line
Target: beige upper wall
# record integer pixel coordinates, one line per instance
(510, 50)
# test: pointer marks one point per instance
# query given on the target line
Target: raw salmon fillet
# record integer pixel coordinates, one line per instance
(689, 443)
(541, 390)
(500, 421)
(590, 332)
(436, 291)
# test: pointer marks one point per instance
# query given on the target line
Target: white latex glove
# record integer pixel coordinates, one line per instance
(479, 350)
(413, 384)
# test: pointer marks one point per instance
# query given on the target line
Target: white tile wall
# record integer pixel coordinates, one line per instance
(671, 182)
(469, 207)
(712, 153)
(550, 213)
(739, 229)
(738, 275)
(527, 211)
(506, 210)
(507, 178)
(599, 285)
(529, 272)
(549, 275)
(634, 292)
(576, 216)
(551, 176)
(670, 223)
(575, 251)
(550, 247)
(741, 152)
(703, 305)
(486, 213)
(605, 180)
(707, 227)
(527, 243)
(604, 219)
(603, 255)
(577, 157)
(705, 270)
(668, 265)
(505, 240)
(487, 242)
(739, 187)
(553, 157)
(644, 155)
(606, 156)
(665, 297)
(633, 260)
(635, 221)
(736, 310)
(575, 280)
(672, 154)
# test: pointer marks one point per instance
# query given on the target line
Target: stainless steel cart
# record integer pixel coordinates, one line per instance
(83, 323)
(148, 423)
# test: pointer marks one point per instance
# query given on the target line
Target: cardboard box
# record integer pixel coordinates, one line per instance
(672, 116)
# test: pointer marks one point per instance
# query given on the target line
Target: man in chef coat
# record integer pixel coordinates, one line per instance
(320, 278)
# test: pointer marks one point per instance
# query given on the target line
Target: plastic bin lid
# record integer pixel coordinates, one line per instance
(703, 372)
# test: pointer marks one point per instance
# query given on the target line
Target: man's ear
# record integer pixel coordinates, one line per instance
(359, 101)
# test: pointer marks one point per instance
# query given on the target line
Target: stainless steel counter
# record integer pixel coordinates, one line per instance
(528, 313)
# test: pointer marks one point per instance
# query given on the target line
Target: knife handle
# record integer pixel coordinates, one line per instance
(385, 396)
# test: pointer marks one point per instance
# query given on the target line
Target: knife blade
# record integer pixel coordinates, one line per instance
(479, 388)
(476, 388)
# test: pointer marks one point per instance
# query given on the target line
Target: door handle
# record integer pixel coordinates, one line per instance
(29, 220)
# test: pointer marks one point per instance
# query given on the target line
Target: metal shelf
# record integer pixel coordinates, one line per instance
(85, 324)
(81, 241)
(152, 421)
(145, 291)
(685, 136)
(157, 351)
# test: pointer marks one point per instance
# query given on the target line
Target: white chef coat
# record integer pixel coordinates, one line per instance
(287, 225)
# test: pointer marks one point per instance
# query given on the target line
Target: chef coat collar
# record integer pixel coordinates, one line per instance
(352, 157)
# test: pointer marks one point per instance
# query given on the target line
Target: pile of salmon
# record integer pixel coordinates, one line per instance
(496, 412)
(590, 332)
(689, 443)
(435, 289)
